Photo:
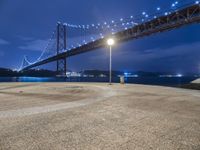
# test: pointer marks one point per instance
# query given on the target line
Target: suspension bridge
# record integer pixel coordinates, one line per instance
(57, 49)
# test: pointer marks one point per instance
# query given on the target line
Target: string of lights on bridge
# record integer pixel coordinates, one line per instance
(113, 26)
(108, 27)
(125, 23)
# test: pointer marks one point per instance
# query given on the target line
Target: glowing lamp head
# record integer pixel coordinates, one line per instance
(110, 42)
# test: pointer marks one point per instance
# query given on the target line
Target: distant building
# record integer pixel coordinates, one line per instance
(91, 76)
(73, 74)
(170, 76)
(129, 75)
(102, 76)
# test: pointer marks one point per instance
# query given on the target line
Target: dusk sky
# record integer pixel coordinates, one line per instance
(27, 24)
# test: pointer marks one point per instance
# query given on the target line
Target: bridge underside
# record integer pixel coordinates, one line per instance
(174, 20)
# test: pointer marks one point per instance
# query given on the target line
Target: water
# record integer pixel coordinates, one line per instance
(164, 81)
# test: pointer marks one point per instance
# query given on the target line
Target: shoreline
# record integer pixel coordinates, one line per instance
(192, 86)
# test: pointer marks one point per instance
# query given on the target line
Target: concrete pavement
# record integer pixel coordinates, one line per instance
(98, 116)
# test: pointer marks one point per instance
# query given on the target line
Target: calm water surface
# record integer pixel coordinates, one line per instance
(165, 81)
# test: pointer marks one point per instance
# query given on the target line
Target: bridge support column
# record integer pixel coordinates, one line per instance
(61, 66)
(61, 45)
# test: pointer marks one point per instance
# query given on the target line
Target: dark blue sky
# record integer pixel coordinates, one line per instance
(27, 24)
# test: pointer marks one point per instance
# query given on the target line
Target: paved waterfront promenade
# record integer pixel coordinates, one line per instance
(98, 116)
(197, 81)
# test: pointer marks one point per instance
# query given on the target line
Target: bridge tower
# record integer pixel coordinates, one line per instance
(61, 44)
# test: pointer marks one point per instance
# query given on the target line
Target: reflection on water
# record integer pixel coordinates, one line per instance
(33, 79)
(165, 81)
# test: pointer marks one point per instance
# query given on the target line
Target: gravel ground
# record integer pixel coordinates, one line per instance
(98, 116)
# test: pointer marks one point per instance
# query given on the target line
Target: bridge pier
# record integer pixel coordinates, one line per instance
(61, 66)
(61, 43)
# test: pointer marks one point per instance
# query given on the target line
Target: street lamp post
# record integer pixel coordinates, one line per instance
(110, 43)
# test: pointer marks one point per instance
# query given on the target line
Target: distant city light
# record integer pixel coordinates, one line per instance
(130, 75)
(158, 8)
(143, 13)
(126, 74)
(179, 75)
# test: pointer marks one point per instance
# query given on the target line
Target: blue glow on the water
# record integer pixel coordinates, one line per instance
(135, 79)
(126, 74)
(33, 79)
